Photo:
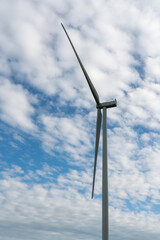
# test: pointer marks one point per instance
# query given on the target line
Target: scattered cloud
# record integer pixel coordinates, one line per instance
(40, 210)
(16, 105)
(45, 103)
(73, 130)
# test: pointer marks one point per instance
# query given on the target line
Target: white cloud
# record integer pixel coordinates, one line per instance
(36, 47)
(152, 69)
(109, 58)
(18, 138)
(36, 210)
(118, 43)
(28, 55)
(134, 167)
(16, 105)
(74, 131)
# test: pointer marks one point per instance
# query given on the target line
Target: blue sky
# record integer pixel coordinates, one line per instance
(48, 118)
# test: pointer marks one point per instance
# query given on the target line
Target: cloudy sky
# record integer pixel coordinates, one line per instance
(48, 118)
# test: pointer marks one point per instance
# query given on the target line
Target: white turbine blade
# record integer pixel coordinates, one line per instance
(98, 129)
(92, 88)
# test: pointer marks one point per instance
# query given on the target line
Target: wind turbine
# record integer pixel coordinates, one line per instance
(99, 106)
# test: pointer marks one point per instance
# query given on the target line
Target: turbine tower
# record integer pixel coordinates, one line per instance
(99, 106)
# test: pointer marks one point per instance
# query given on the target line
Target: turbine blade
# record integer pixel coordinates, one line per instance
(98, 129)
(92, 88)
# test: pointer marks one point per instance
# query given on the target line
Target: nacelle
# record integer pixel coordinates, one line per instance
(108, 104)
